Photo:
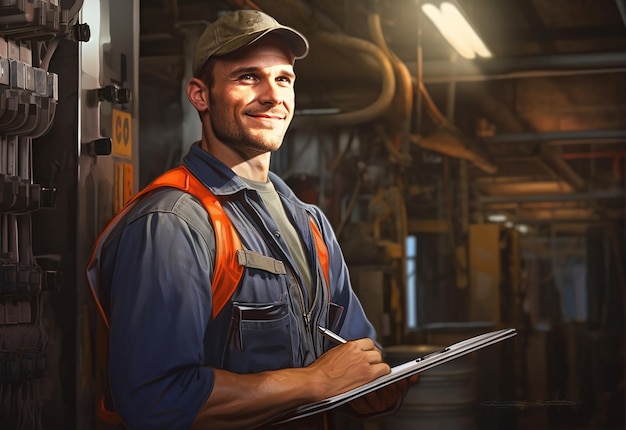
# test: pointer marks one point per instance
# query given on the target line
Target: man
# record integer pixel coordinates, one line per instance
(175, 361)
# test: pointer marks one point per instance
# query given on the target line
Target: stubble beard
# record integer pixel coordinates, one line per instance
(242, 140)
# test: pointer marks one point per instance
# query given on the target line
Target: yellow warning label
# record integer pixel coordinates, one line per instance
(128, 182)
(122, 134)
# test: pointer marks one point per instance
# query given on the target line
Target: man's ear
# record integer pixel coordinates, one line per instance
(198, 94)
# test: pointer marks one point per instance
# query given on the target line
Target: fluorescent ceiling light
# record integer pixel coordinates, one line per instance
(456, 30)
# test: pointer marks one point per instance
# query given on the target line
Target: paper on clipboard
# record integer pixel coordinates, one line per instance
(419, 364)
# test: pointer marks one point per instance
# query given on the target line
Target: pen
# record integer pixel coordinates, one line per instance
(332, 336)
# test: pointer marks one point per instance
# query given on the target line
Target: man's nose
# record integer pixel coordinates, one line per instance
(272, 93)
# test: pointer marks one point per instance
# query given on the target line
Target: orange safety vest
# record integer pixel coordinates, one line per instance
(227, 272)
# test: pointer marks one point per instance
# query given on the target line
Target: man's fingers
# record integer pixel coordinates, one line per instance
(367, 345)
(373, 357)
(382, 401)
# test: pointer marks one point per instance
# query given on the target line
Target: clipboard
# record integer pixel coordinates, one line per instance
(404, 370)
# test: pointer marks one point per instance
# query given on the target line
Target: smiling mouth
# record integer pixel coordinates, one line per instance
(271, 117)
(268, 115)
(268, 122)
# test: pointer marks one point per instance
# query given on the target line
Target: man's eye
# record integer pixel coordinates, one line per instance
(246, 77)
(285, 79)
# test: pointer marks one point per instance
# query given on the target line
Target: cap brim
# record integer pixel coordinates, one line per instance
(296, 41)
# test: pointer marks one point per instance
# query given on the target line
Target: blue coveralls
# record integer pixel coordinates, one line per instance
(156, 268)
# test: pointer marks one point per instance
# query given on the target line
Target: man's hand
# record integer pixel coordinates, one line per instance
(383, 401)
(347, 366)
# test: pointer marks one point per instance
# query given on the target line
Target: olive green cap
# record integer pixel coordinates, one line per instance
(240, 28)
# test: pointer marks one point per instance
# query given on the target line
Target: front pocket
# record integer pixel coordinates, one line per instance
(259, 338)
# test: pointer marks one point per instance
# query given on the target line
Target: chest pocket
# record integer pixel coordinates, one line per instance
(260, 331)
(260, 338)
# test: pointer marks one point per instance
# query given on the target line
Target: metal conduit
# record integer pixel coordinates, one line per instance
(522, 67)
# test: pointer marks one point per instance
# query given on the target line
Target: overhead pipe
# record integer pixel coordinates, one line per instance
(546, 136)
(374, 110)
(617, 156)
(404, 88)
(558, 197)
(433, 111)
(593, 154)
(439, 71)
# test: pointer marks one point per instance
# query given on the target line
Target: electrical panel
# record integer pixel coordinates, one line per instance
(30, 31)
(68, 151)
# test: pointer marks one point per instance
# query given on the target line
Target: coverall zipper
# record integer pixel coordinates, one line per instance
(305, 314)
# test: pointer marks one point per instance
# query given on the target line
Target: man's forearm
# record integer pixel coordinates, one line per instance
(245, 401)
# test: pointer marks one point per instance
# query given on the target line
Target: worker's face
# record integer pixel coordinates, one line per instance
(251, 100)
